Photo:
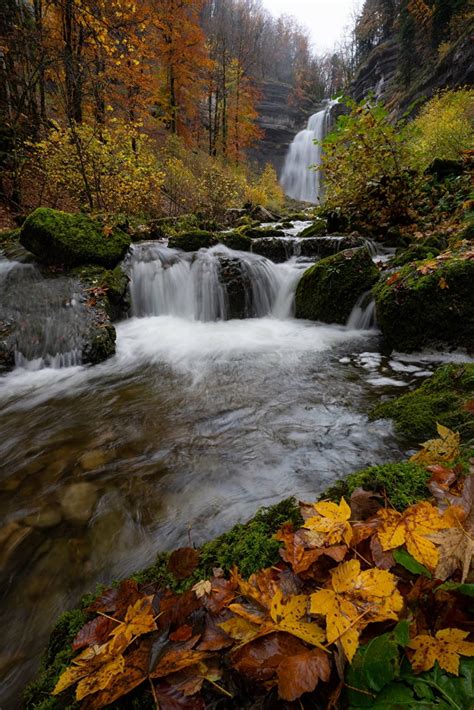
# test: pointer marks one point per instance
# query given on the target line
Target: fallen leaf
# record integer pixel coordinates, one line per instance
(331, 522)
(202, 588)
(355, 600)
(301, 673)
(412, 528)
(183, 562)
(456, 550)
(444, 449)
(445, 647)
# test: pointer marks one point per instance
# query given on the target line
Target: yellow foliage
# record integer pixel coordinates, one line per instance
(445, 647)
(443, 128)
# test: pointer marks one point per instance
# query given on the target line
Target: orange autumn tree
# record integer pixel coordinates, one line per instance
(182, 59)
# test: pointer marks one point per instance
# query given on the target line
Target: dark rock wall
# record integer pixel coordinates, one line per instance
(279, 120)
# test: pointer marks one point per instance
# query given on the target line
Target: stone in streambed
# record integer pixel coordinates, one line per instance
(77, 502)
(329, 290)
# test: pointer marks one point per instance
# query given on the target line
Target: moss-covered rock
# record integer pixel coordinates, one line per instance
(441, 398)
(277, 250)
(318, 228)
(236, 240)
(56, 237)
(402, 483)
(329, 290)
(428, 304)
(193, 240)
(260, 232)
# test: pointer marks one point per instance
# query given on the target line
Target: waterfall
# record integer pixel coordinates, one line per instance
(209, 285)
(298, 179)
(363, 314)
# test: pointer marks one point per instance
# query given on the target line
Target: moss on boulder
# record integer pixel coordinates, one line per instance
(329, 290)
(56, 237)
(236, 240)
(193, 240)
(441, 398)
(318, 228)
(403, 483)
(428, 304)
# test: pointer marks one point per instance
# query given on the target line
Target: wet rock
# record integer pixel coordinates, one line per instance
(44, 518)
(329, 290)
(56, 237)
(95, 459)
(17, 543)
(237, 286)
(78, 501)
(277, 250)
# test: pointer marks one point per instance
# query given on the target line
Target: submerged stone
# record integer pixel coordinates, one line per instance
(56, 237)
(329, 290)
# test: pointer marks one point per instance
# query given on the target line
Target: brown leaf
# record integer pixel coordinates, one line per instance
(183, 562)
(382, 560)
(259, 660)
(364, 504)
(301, 673)
(94, 632)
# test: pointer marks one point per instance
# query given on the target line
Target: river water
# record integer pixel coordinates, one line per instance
(194, 424)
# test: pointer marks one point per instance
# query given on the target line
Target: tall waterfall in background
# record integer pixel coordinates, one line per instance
(297, 179)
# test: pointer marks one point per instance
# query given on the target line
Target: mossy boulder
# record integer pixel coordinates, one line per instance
(428, 303)
(193, 240)
(329, 290)
(56, 237)
(442, 398)
(236, 240)
(402, 483)
(316, 229)
(277, 250)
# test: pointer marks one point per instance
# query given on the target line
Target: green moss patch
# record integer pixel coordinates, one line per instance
(329, 290)
(402, 483)
(417, 309)
(441, 398)
(56, 237)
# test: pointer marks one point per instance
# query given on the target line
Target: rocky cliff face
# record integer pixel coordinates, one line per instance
(379, 74)
(279, 120)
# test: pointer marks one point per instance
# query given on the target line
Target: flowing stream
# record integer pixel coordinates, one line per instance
(197, 421)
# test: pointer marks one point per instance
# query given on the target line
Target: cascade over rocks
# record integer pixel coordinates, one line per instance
(56, 237)
(428, 302)
(329, 290)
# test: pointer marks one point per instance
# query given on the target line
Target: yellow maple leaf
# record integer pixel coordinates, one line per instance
(286, 614)
(331, 522)
(355, 600)
(412, 528)
(138, 620)
(445, 647)
(442, 450)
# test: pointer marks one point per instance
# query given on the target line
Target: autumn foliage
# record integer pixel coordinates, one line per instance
(350, 580)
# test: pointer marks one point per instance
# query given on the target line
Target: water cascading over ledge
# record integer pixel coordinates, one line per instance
(298, 179)
(209, 285)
